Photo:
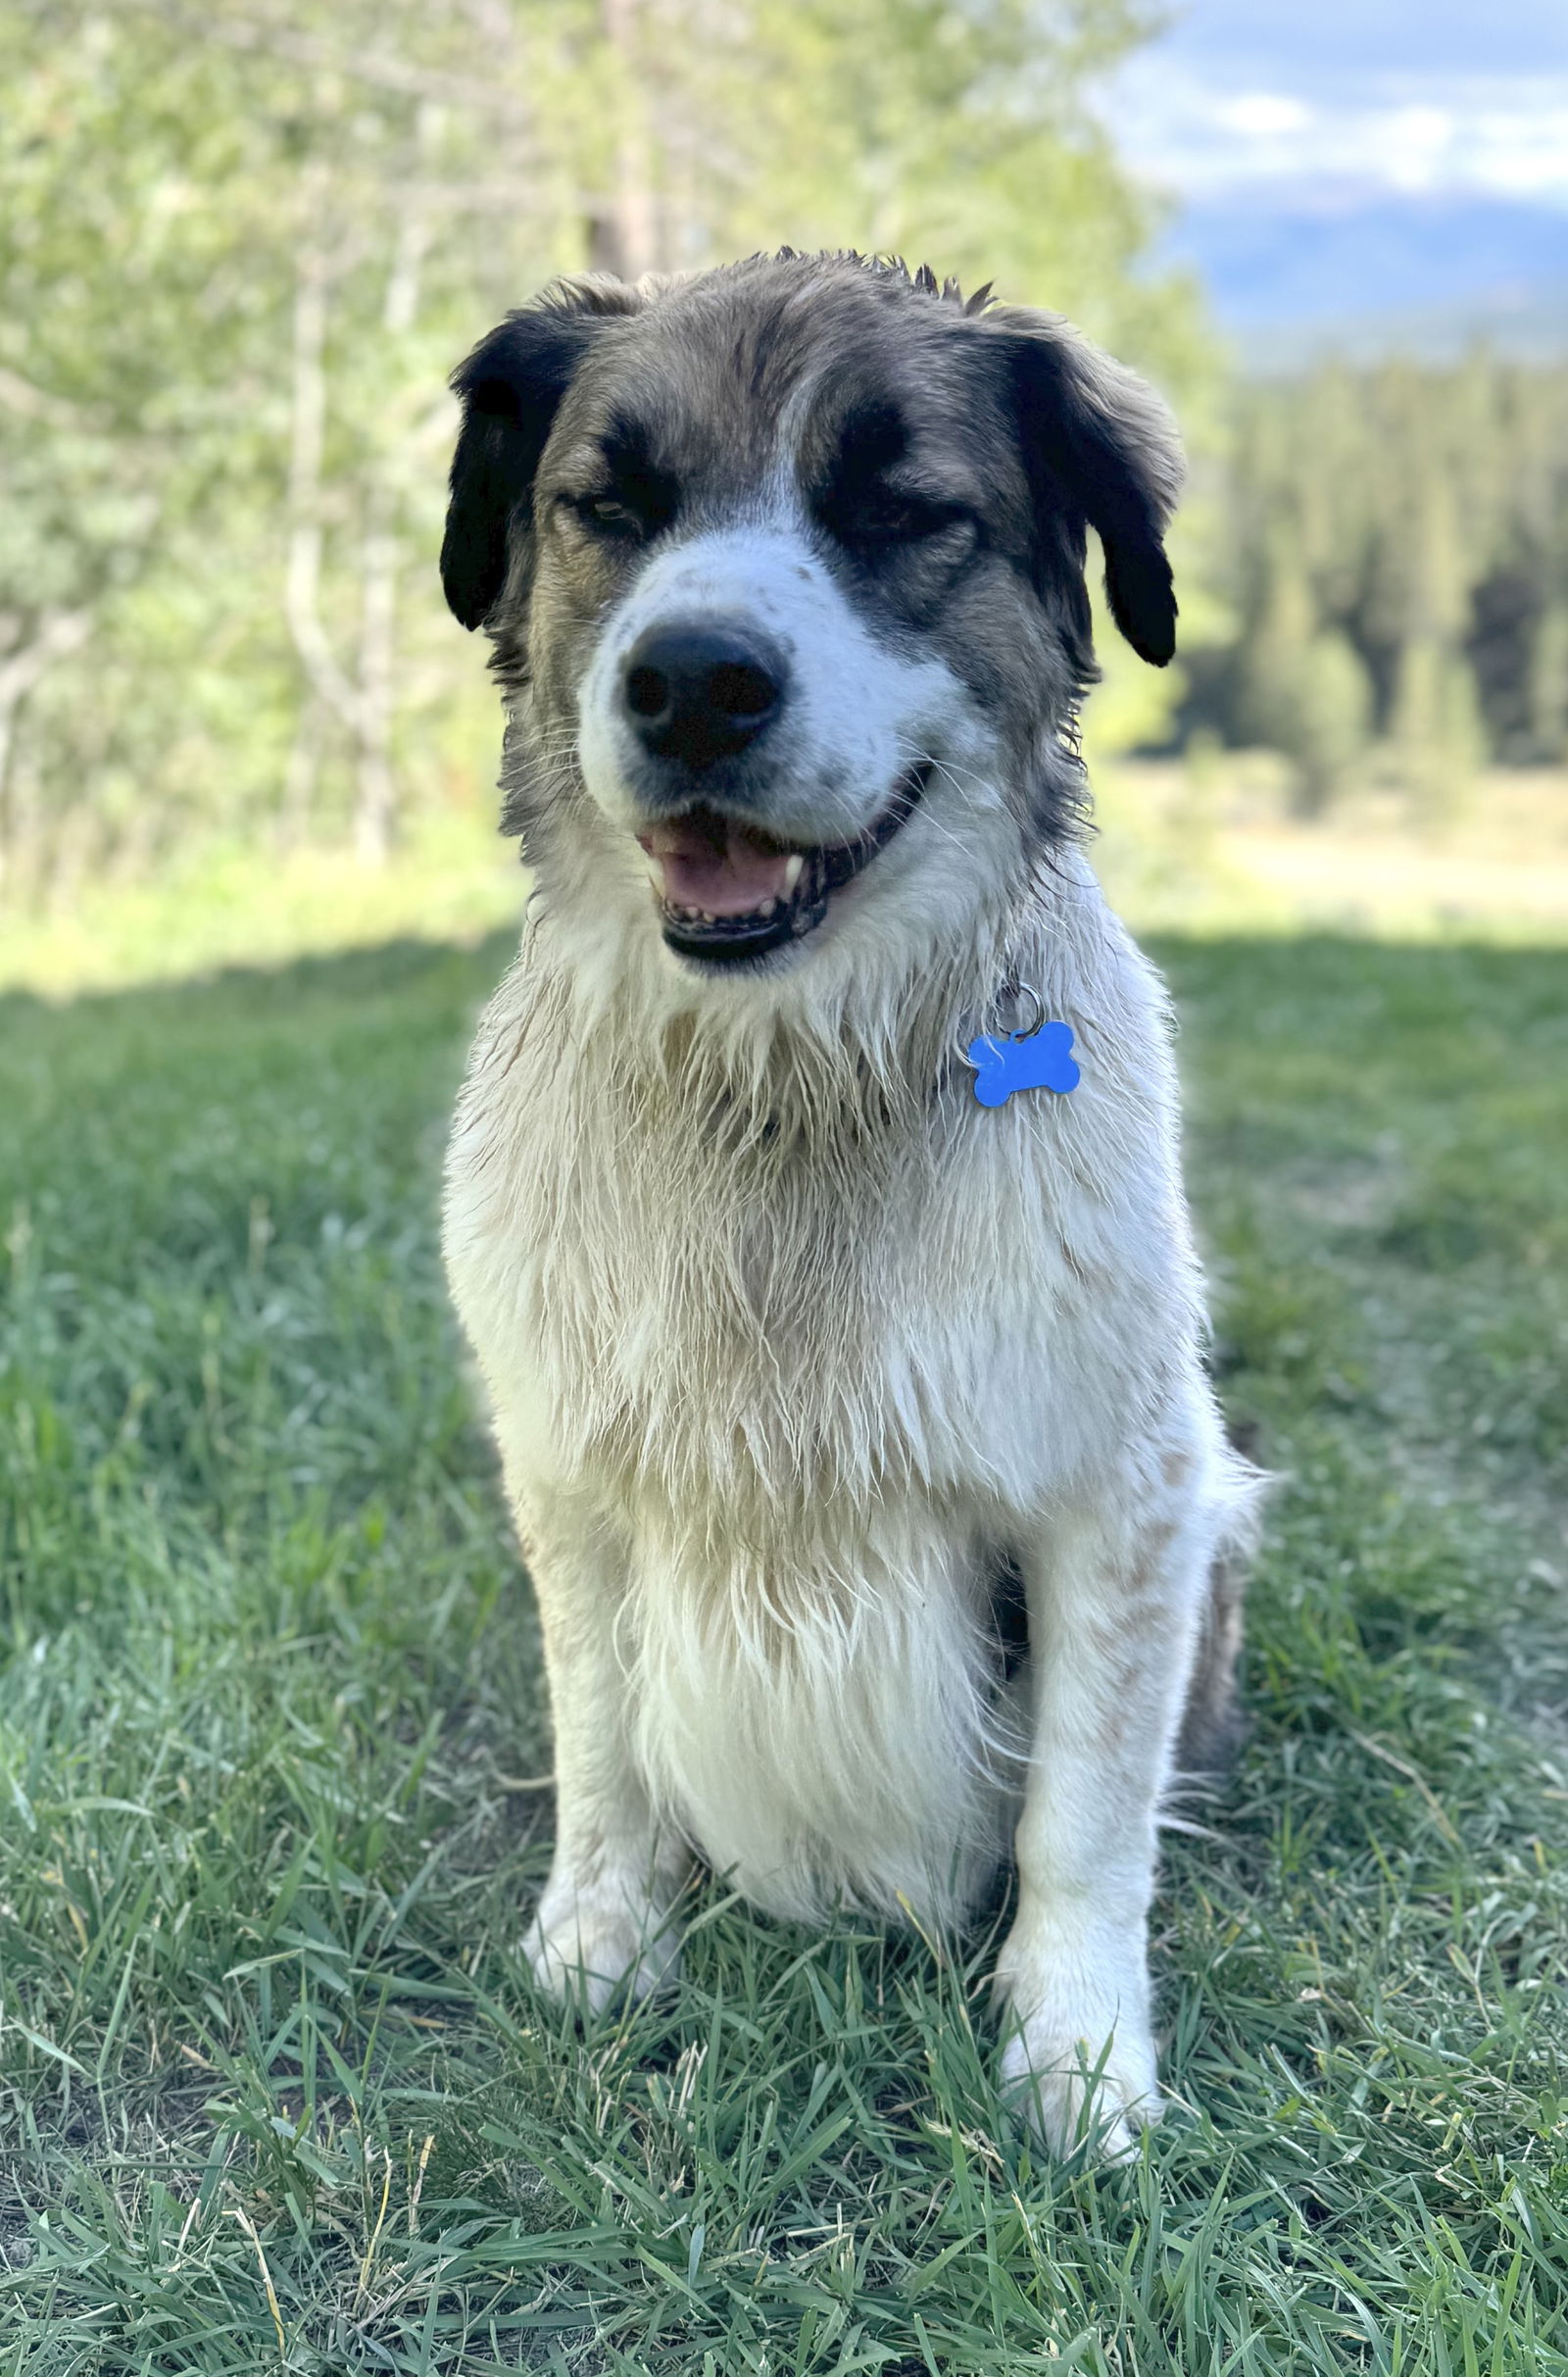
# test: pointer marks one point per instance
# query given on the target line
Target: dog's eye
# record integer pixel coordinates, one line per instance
(636, 504)
(899, 520)
(610, 513)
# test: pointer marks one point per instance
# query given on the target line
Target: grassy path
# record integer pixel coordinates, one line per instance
(274, 2093)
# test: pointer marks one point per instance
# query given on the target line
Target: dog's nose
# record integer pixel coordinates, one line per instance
(699, 693)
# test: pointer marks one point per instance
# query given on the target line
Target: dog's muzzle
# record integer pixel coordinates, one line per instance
(726, 890)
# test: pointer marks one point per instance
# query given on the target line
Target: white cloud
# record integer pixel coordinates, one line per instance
(1183, 127)
(1525, 156)
(1263, 114)
(1417, 146)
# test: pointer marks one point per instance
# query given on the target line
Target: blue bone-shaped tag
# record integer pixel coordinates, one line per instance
(1043, 1059)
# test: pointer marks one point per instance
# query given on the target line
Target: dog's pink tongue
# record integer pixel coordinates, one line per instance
(723, 869)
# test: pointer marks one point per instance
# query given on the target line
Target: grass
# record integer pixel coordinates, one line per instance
(275, 2090)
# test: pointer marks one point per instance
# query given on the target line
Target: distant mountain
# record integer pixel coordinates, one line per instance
(1293, 274)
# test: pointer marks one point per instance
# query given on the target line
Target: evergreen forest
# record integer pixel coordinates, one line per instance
(1392, 545)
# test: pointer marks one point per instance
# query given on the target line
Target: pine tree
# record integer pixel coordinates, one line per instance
(1436, 729)
(1548, 682)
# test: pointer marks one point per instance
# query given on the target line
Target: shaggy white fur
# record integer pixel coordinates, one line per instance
(785, 1336)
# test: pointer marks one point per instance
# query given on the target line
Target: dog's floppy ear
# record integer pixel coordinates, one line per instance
(1099, 446)
(511, 387)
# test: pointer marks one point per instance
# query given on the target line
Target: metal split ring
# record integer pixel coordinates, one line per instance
(1019, 991)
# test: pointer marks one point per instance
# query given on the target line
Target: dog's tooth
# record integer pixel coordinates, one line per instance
(767, 907)
(792, 871)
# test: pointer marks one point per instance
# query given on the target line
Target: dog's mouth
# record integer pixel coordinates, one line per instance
(728, 890)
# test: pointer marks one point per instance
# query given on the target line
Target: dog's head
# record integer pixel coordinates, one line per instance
(784, 566)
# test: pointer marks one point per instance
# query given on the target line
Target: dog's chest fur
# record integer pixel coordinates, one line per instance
(798, 1365)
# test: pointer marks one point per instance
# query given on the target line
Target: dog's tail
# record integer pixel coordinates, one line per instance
(1215, 1724)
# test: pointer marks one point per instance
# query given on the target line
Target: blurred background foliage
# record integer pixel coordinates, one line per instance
(239, 252)
(241, 247)
(1396, 550)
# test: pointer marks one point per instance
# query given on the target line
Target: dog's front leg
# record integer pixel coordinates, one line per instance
(603, 1921)
(1114, 1590)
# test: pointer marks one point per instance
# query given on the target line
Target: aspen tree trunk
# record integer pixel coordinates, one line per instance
(623, 232)
(60, 633)
(376, 805)
(331, 689)
(363, 701)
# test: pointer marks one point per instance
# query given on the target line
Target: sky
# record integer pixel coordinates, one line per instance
(1347, 155)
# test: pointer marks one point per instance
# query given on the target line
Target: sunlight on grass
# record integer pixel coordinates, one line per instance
(1205, 849)
(452, 880)
(1211, 846)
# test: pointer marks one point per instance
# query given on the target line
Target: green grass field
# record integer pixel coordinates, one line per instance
(275, 2092)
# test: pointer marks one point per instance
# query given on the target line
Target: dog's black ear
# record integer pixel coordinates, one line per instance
(1101, 447)
(511, 387)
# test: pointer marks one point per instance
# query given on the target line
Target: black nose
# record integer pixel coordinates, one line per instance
(699, 693)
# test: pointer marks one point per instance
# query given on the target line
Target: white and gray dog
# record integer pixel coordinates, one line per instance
(858, 1432)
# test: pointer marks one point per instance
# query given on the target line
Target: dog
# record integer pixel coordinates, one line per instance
(803, 1359)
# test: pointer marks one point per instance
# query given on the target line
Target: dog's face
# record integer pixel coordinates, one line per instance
(785, 569)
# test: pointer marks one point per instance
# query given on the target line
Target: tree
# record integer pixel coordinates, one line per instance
(240, 253)
(1436, 728)
(1548, 682)
(1394, 544)
(1303, 687)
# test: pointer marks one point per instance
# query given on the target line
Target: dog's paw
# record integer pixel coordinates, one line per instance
(1078, 2058)
(589, 1946)
(1083, 2088)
